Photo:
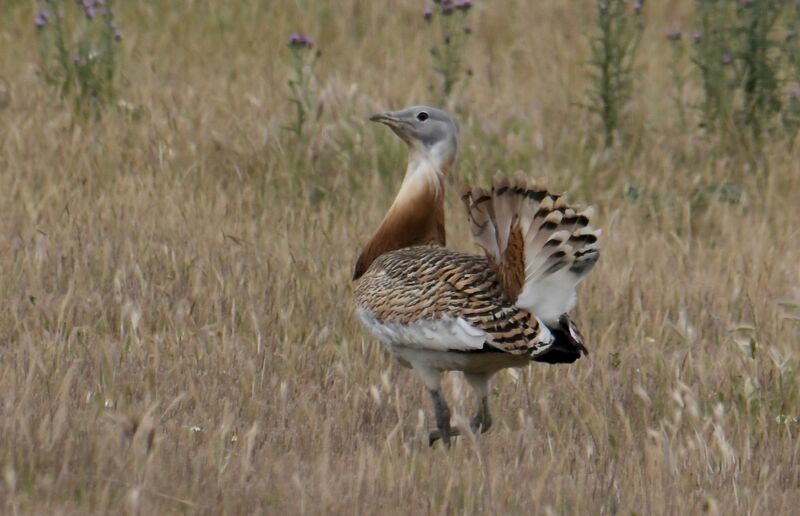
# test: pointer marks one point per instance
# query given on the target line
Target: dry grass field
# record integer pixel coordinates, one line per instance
(177, 328)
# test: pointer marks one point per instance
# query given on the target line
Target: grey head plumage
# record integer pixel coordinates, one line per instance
(425, 130)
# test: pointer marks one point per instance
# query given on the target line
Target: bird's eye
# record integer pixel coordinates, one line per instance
(422, 116)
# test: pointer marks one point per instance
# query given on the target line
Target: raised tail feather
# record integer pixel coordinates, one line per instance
(539, 246)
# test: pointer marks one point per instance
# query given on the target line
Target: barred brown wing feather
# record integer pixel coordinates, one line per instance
(407, 291)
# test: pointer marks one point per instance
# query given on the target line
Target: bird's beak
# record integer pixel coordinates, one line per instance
(385, 118)
(396, 124)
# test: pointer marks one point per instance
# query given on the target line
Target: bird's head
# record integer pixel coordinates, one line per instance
(429, 133)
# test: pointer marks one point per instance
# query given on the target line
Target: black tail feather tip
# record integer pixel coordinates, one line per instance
(567, 347)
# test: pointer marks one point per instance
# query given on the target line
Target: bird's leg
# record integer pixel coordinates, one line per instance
(480, 384)
(443, 431)
(483, 419)
(433, 381)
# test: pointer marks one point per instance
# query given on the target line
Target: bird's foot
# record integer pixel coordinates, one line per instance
(481, 423)
(444, 430)
(436, 434)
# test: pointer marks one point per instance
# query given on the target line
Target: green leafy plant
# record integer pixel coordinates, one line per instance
(304, 57)
(448, 55)
(791, 49)
(760, 58)
(741, 59)
(678, 78)
(619, 29)
(78, 46)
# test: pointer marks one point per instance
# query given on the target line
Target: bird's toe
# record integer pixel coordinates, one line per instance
(436, 434)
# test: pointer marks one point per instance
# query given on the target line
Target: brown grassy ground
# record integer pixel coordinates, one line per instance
(177, 331)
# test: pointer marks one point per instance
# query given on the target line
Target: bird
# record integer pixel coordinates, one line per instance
(438, 310)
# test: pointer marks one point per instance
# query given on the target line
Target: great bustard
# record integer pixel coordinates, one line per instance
(440, 310)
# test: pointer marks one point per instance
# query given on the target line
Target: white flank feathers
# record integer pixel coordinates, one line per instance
(445, 334)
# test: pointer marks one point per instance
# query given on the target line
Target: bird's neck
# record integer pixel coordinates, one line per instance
(416, 216)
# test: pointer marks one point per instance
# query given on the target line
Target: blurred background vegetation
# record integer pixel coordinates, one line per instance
(184, 193)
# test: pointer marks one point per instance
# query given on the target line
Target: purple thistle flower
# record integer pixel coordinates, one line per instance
(697, 36)
(427, 13)
(447, 7)
(115, 29)
(727, 58)
(300, 40)
(41, 19)
(463, 5)
(637, 7)
(88, 8)
(673, 34)
(791, 32)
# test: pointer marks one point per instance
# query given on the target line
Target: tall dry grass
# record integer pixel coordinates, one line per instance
(177, 331)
